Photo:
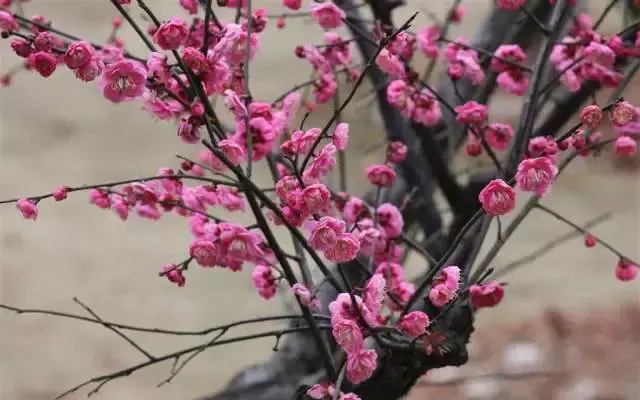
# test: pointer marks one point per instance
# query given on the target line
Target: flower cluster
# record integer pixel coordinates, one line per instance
(588, 56)
(328, 391)
(510, 77)
(463, 62)
(192, 61)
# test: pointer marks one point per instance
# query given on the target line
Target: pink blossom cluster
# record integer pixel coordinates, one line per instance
(475, 117)
(586, 55)
(418, 104)
(306, 200)
(393, 59)
(627, 126)
(537, 172)
(445, 286)
(534, 175)
(427, 39)
(354, 318)
(265, 124)
(334, 55)
(463, 62)
(327, 391)
(350, 316)
(511, 78)
(344, 229)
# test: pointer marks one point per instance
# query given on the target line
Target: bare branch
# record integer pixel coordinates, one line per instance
(115, 330)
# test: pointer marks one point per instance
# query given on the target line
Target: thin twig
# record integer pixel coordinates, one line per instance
(115, 330)
(104, 379)
(161, 331)
(507, 268)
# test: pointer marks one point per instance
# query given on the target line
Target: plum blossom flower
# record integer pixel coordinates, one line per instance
(450, 277)
(626, 270)
(471, 113)
(91, 70)
(43, 62)
(325, 88)
(488, 294)
(263, 134)
(513, 82)
(306, 296)
(463, 62)
(402, 45)
(398, 94)
(174, 274)
(623, 113)
(497, 198)
(316, 58)
(625, 146)
(390, 220)
(343, 307)
(347, 334)
(473, 147)
(232, 150)
(238, 242)
(340, 137)
(536, 175)
(339, 51)
(123, 80)
(187, 131)
(325, 232)
(414, 323)
(195, 60)
(61, 193)
(235, 104)
(346, 248)
(590, 240)
(21, 47)
(390, 64)
(78, 54)
(190, 5)
(99, 198)
(499, 135)
(427, 39)
(591, 116)
(171, 35)
(264, 281)
(427, 109)
(46, 41)
(292, 4)
(321, 391)
(360, 365)
(509, 52)
(120, 207)
(327, 14)
(28, 208)
(380, 175)
(353, 209)
(314, 198)
(441, 294)
(375, 292)
(8, 22)
(396, 152)
(300, 142)
(600, 54)
(538, 146)
(205, 252)
(322, 164)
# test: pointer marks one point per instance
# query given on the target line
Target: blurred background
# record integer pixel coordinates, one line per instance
(60, 131)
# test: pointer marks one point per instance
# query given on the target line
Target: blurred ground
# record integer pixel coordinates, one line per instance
(59, 131)
(554, 356)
